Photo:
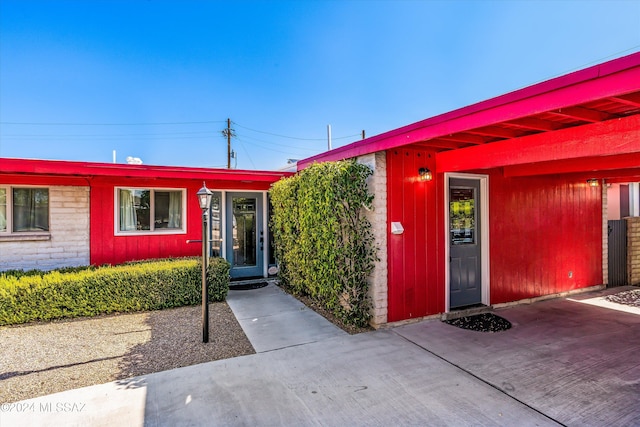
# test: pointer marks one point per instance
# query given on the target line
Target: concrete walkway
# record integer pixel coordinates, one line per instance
(428, 373)
(273, 320)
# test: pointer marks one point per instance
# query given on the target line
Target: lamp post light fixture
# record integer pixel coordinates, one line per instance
(204, 200)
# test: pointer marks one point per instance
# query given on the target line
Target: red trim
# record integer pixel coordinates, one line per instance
(88, 169)
(615, 77)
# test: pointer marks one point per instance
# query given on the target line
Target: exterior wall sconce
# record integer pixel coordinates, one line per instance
(593, 182)
(425, 174)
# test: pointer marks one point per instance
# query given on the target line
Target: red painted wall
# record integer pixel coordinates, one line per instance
(106, 248)
(541, 229)
(416, 257)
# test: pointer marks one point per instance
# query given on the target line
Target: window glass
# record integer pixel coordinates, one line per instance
(167, 209)
(462, 218)
(149, 209)
(215, 237)
(30, 209)
(3, 210)
(135, 210)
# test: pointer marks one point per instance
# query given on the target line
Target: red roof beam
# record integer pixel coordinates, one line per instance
(585, 164)
(466, 138)
(496, 132)
(583, 114)
(632, 99)
(533, 123)
(613, 137)
(442, 143)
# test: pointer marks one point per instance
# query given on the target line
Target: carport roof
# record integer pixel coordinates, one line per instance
(589, 117)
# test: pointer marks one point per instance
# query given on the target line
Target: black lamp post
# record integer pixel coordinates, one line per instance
(204, 200)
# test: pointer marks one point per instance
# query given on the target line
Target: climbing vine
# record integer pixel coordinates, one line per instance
(323, 241)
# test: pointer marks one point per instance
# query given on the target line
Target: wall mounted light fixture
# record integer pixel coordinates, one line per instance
(425, 174)
(593, 182)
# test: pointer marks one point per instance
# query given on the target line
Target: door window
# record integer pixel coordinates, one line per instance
(216, 234)
(462, 219)
(244, 231)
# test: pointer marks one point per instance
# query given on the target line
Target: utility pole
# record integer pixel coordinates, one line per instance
(228, 132)
(228, 143)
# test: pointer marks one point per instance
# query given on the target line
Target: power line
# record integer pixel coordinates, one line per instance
(110, 124)
(275, 143)
(292, 137)
(273, 149)
(111, 134)
(163, 124)
(247, 153)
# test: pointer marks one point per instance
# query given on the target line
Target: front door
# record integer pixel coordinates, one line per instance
(245, 234)
(465, 278)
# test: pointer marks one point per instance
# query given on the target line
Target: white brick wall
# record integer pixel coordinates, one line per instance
(633, 250)
(378, 218)
(68, 245)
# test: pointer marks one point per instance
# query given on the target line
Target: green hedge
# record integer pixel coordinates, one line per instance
(323, 241)
(217, 279)
(148, 285)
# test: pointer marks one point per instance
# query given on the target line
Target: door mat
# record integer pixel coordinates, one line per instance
(247, 286)
(485, 322)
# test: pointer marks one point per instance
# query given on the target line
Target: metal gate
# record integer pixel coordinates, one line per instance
(617, 253)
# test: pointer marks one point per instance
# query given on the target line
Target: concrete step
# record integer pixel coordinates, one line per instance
(466, 311)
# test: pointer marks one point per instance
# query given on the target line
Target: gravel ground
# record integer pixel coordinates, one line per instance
(43, 358)
(485, 322)
(631, 298)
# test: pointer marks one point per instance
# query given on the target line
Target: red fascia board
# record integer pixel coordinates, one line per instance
(613, 137)
(615, 77)
(87, 169)
(603, 164)
(622, 176)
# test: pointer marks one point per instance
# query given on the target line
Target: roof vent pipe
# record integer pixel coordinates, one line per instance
(329, 137)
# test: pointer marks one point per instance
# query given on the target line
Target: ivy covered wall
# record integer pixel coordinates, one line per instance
(323, 240)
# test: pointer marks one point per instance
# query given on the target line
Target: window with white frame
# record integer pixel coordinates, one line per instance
(24, 210)
(146, 210)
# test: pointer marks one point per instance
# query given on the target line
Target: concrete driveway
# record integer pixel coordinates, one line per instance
(563, 362)
(576, 362)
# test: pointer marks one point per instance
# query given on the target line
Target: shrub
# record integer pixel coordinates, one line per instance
(147, 285)
(218, 279)
(324, 244)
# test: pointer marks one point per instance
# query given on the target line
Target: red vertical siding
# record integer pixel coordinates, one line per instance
(543, 228)
(415, 279)
(107, 248)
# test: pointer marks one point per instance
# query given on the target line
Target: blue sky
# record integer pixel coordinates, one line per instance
(158, 79)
